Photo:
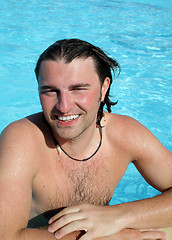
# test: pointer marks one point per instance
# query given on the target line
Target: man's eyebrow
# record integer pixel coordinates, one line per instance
(43, 87)
(80, 85)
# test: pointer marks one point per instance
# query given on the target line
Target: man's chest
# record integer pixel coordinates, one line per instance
(64, 182)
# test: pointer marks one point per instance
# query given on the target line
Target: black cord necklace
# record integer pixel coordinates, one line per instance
(84, 159)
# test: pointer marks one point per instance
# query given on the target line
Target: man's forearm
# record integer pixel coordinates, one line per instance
(42, 234)
(34, 234)
(148, 213)
(152, 213)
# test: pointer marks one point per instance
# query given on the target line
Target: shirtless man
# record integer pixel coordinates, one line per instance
(73, 155)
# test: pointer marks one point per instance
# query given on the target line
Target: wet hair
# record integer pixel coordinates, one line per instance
(70, 49)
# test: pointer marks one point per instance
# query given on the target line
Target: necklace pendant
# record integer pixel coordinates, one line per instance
(59, 150)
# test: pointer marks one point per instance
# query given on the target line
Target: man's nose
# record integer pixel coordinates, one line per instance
(64, 103)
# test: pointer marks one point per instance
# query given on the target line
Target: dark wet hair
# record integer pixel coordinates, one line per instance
(70, 49)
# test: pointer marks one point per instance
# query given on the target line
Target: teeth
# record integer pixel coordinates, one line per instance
(68, 118)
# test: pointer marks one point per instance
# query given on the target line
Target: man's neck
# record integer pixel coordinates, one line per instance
(84, 145)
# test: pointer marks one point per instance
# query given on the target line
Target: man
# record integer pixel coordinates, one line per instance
(59, 168)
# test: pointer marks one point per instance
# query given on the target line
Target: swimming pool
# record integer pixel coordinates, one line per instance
(137, 33)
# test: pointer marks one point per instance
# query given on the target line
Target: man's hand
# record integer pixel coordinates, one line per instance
(96, 221)
(99, 223)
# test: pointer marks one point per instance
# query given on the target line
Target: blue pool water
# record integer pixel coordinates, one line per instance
(137, 33)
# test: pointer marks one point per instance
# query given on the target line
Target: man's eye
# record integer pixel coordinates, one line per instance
(49, 92)
(79, 89)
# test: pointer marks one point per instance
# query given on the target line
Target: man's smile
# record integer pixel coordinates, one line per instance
(67, 118)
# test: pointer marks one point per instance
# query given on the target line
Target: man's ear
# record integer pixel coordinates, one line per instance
(105, 87)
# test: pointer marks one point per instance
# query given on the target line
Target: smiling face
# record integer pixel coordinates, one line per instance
(70, 95)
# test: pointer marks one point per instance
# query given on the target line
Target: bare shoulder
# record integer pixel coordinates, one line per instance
(19, 131)
(19, 139)
(120, 126)
(144, 149)
(119, 130)
(26, 123)
(132, 135)
(120, 119)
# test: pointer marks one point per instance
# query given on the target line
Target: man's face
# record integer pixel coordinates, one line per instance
(70, 94)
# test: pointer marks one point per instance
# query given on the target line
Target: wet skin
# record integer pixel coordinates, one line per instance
(70, 95)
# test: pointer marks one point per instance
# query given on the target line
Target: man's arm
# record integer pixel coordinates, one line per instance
(16, 175)
(154, 162)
